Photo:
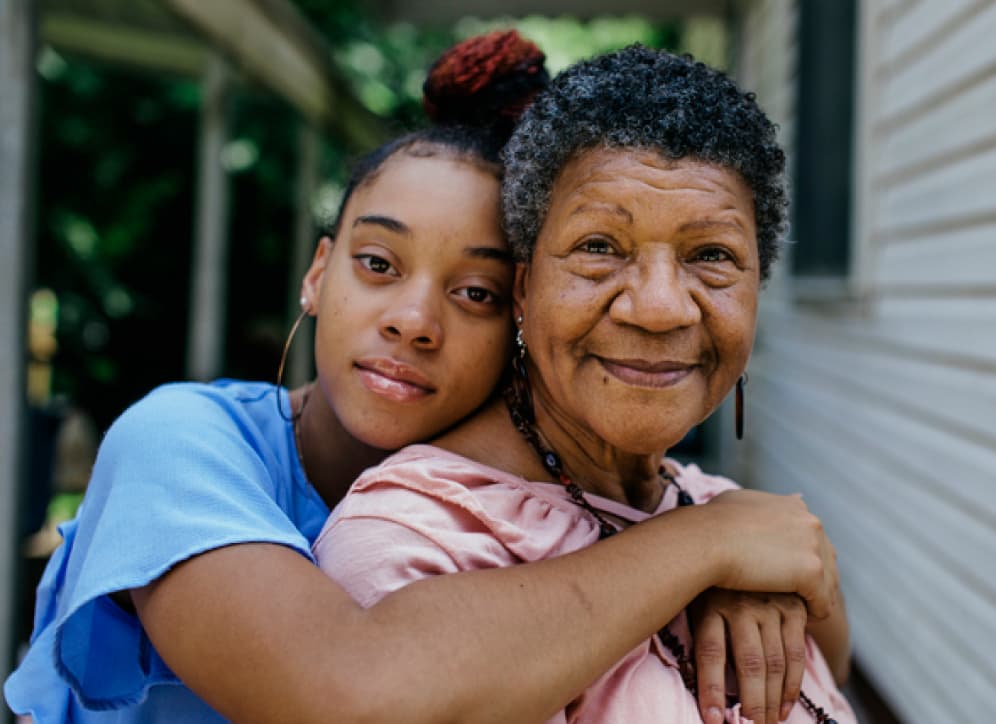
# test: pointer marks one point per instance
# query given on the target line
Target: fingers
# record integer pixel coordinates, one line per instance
(794, 641)
(767, 642)
(750, 665)
(775, 666)
(710, 665)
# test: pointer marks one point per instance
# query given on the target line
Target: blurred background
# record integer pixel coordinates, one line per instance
(165, 164)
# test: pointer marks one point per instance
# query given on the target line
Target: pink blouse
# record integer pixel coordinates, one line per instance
(426, 511)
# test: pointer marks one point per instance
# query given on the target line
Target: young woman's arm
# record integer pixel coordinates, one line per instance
(264, 636)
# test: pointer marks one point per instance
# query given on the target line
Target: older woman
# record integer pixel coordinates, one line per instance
(643, 198)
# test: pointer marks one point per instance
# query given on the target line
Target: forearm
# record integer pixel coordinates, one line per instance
(832, 635)
(517, 644)
(264, 636)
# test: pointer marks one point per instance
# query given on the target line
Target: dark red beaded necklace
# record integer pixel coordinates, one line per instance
(551, 462)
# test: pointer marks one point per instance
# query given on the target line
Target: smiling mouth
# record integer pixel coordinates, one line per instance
(643, 373)
(393, 380)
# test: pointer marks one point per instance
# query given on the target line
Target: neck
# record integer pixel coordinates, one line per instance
(332, 458)
(597, 466)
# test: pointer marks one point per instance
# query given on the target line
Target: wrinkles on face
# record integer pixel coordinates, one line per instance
(641, 296)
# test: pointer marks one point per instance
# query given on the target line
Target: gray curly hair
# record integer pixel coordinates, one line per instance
(639, 97)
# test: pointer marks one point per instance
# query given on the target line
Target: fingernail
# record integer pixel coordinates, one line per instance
(713, 715)
(784, 712)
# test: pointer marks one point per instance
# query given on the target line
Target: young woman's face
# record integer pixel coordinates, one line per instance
(413, 300)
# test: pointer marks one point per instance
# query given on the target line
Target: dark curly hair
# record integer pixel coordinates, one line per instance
(642, 98)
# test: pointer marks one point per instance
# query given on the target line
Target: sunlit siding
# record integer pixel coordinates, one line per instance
(880, 403)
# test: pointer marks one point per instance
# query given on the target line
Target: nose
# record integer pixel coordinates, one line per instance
(658, 296)
(413, 317)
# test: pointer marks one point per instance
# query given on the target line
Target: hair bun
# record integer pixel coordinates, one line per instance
(485, 80)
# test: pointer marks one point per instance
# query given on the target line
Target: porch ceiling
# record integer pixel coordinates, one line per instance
(269, 41)
(444, 11)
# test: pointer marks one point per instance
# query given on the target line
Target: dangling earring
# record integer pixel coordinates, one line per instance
(517, 394)
(739, 400)
(520, 343)
(283, 361)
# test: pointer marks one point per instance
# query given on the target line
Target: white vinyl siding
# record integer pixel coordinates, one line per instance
(880, 405)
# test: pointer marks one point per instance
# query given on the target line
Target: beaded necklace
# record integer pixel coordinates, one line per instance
(551, 462)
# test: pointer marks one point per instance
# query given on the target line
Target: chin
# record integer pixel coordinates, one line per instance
(644, 439)
(382, 434)
(392, 439)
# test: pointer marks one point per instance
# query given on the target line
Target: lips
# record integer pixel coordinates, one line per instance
(648, 373)
(393, 380)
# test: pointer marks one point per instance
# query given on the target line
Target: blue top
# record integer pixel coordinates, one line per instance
(189, 468)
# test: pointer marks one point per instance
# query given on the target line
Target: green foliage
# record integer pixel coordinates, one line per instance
(115, 180)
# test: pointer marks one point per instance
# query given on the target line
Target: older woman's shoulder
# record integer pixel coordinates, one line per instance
(700, 485)
(444, 495)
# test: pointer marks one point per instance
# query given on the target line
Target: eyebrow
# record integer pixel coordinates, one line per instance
(615, 209)
(384, 221)
(705, 224)
(488, 252)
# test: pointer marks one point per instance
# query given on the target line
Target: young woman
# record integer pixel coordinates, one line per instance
(186, 589)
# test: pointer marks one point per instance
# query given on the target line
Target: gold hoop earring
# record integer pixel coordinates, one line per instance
(283, 360)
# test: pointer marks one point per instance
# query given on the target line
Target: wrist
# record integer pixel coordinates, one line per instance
(693, 535)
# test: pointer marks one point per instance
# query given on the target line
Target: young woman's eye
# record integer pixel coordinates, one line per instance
(479, 295)
(374, 263)
(597, 246)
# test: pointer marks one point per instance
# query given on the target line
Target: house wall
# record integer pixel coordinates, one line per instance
(877, 399)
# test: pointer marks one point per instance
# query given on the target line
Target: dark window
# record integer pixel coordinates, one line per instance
(821, 215)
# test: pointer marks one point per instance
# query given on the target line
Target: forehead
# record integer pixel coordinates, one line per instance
(434, 205)
(405, 175)
(628, 177)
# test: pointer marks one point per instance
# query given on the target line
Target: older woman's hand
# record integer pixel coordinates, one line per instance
(767, 639)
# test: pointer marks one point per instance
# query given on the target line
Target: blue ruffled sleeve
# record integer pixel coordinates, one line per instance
(188, 469)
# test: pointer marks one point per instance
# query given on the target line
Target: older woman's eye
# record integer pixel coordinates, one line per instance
(714, 254)
(597, 246)
(374, 263)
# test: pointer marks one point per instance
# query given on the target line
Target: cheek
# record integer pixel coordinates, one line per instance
(734, 324)
(563, 307)
(479, 357)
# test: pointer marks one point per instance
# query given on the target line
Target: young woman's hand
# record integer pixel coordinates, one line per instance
(767, 642)
(773, 543)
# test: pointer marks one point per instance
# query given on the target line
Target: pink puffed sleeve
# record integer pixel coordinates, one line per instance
(424, 512)
(372, 557)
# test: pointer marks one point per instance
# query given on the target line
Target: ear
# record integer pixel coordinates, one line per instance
(311, 285)
(519, 300)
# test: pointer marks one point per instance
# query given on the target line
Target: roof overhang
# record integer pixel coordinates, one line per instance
(447, 11)
(268, 41)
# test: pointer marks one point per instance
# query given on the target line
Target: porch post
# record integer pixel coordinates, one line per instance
(18, 42)
(209, 273)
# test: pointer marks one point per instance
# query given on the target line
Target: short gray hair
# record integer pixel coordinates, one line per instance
(648, 99)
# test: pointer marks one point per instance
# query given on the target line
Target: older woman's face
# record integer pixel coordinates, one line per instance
(639, 303)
